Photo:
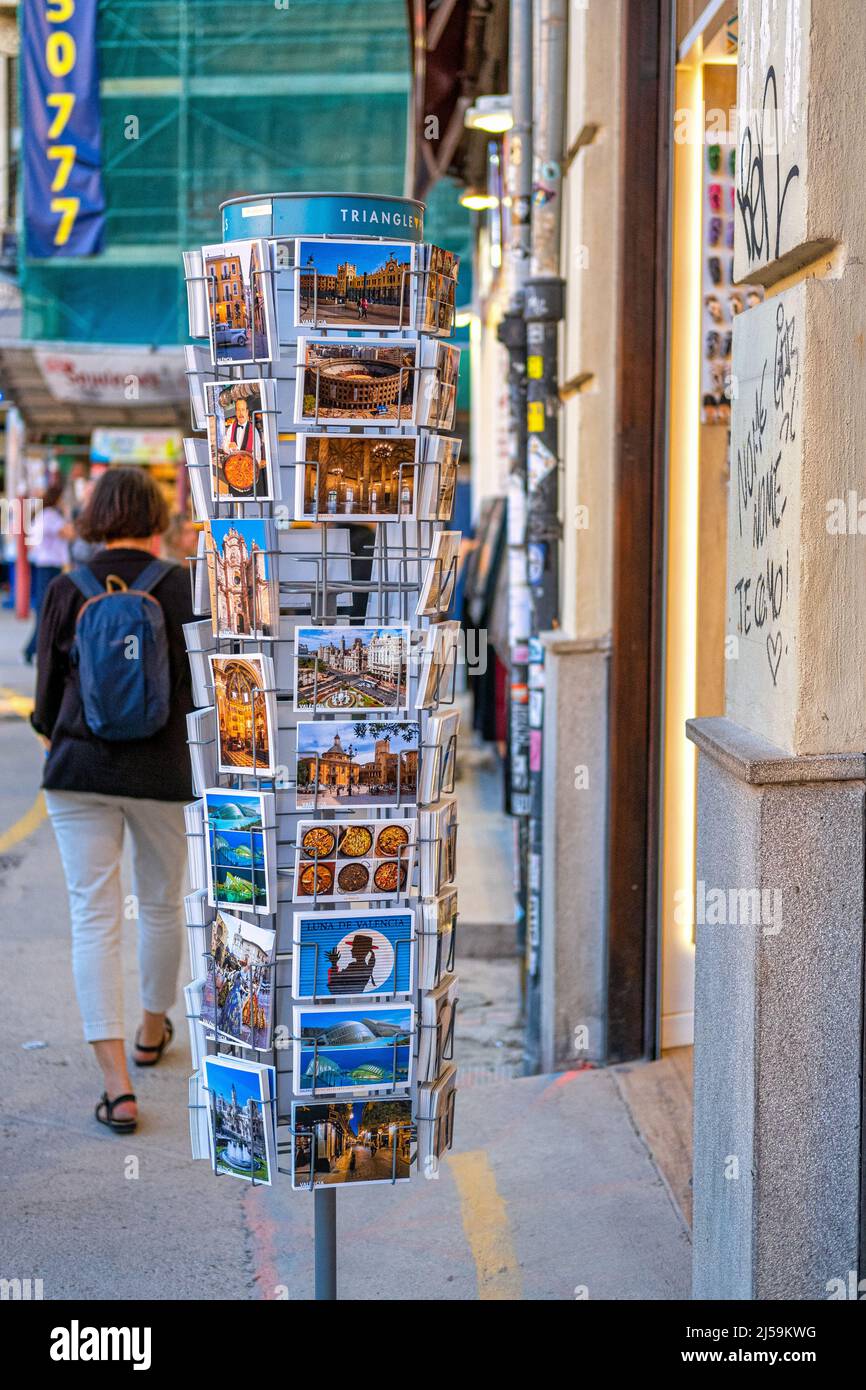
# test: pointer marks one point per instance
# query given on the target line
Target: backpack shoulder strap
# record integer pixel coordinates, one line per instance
(86, 582)
(151, 575)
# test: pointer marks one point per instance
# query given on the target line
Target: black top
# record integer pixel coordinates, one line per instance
(156, 767)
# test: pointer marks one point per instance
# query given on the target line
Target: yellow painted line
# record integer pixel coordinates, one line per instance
(30, 821)
(14, 703)
(11, 701)
(486, 1227)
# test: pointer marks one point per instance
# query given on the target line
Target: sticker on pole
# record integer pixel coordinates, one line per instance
(539, 461)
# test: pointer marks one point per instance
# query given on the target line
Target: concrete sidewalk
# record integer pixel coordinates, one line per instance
(549, 1190)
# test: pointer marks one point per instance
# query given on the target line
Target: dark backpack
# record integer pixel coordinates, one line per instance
(121, 653)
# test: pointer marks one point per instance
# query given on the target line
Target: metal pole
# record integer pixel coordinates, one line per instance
(544, 309)
(512, 333)
(183, 160)
(325, 1237)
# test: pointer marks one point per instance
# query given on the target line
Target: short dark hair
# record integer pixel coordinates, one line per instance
(125, 502)
(52, 494)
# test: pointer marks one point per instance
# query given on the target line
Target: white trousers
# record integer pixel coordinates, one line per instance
(89, 828)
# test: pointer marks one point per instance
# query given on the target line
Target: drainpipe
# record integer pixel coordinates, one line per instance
(544, 302)
(512, 333)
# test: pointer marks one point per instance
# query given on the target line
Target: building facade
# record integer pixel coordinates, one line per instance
(700, 748)
(387, 284)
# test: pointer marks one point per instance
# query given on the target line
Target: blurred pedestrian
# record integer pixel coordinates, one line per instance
(181, 540)
(117, 763)
(78, 491)
(47, 556)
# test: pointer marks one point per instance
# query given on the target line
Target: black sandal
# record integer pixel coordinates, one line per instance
(105, 1113)
(158, 1049)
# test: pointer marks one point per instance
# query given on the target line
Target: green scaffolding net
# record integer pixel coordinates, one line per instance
(204, 100)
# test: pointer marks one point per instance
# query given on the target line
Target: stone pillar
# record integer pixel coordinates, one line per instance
(574, 900)
(780, 868)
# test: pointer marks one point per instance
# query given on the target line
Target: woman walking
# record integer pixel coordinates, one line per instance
(113, 715)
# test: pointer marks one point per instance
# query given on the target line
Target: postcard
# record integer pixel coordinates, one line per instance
(201, 740)
(242, 441)
(356, 380)
(436, 938)
(436, 1117)
(438, 1009)
(448, 365)
(241, 1123)
(438, 477)
(237, 1001)
(438, 766)
(199, 640)
(342, 860)
(243, 577)
(438, 656)
(347, 764)
(364, 477)
(197, 917)
(246, 705)
(238, 851)
(354, 284)
(196, 294)
(193, 813)
(440, 575)
(192, 997)
(437, 829)
(346, 668)
(199, 1127)
(368, 1048)
(198, 563)
(196, 454)
(360, 1142)
(240, 301)
(439, 281)
(439, 367)
(335, 954)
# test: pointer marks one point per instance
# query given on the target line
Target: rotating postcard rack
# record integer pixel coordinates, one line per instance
(322, 845)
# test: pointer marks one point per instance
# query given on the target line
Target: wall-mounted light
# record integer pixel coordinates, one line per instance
(477, 201)
(492, 114)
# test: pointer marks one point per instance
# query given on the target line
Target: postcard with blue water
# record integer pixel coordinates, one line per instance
(237, 850)
(368, 1048)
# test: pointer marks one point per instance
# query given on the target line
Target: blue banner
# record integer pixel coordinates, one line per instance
(64, 206)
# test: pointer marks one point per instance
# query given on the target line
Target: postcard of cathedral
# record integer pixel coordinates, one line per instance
(242, 572)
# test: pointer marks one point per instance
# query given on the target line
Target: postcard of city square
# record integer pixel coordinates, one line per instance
(351, 668)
